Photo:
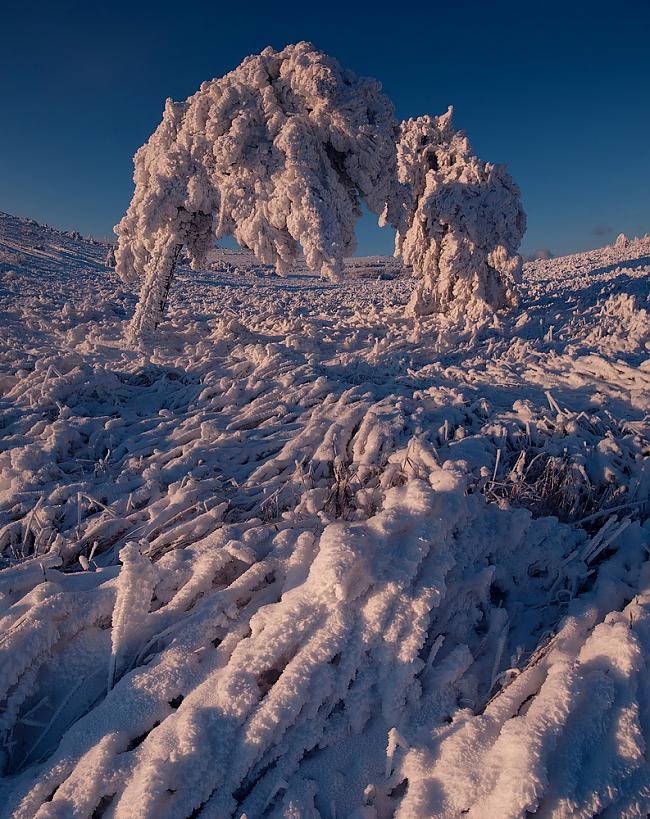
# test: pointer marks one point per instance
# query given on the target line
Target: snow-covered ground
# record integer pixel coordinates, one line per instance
(308, 557)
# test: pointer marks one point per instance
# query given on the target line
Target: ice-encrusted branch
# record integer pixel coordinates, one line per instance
(134, 589)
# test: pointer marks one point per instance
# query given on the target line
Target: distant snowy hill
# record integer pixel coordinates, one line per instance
(307, 557)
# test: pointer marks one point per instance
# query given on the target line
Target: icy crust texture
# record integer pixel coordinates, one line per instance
(464, 225)
(279, 153)
(306, 559)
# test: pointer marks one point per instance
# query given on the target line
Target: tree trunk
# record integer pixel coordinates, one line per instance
(155, 292)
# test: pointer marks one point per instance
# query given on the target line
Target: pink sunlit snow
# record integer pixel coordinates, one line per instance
(306, 555)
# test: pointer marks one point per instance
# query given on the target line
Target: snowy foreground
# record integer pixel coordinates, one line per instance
(307, 557)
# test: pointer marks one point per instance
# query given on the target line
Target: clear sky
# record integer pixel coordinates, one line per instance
(558, 91)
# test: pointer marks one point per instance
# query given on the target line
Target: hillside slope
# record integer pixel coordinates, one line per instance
(306, 557)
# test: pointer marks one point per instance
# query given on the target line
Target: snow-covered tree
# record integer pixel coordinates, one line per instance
(279, 153)
(464, 223)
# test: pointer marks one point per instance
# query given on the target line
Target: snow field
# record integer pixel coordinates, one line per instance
(309, 557)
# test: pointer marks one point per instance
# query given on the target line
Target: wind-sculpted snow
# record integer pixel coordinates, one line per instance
(310, 557)
(279, 153)
(465, 221)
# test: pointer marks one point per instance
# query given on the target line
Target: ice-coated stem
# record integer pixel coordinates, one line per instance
(155, 292)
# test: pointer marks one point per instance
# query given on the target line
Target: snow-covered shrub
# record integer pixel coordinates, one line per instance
(279, 153)
(624, 325)
(465, 221)
(109, 261)
(543, 254)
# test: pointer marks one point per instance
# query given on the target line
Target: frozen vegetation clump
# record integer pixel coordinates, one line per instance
(465, 222)
(279, 153)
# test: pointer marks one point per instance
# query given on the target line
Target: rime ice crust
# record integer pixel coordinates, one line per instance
(464, 224)
(279, 153)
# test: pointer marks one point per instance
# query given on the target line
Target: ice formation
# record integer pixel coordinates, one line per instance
(464, 225)
(279, 153)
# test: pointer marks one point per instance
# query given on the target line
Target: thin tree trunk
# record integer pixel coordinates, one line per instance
(155, 292)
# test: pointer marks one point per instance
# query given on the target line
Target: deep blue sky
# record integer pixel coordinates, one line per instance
(558, 91)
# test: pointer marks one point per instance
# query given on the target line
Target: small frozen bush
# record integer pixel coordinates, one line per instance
(465, 221)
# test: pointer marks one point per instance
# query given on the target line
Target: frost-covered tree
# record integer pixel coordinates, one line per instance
(464, 222)
(279, 153)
